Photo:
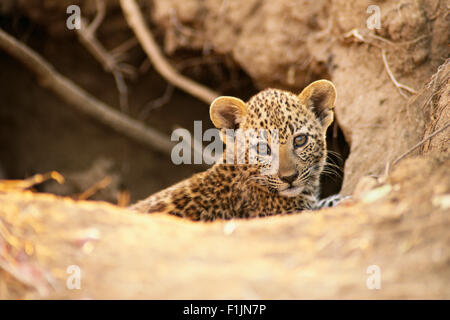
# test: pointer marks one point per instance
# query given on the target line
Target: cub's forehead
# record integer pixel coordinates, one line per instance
(274, 108)
(271, 100)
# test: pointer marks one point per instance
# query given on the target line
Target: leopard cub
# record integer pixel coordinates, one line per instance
(281, 177)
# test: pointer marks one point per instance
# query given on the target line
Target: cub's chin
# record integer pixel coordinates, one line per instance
(291, 192)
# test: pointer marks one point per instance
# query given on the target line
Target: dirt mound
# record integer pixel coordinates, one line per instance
(436, 101)
(401, 227)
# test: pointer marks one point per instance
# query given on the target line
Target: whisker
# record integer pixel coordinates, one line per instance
(333, 169)
(338, 161)
(334, 153)
(332, 174)
(332, 165)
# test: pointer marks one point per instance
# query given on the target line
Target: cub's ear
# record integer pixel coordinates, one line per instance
(227, 112)
(320, 97)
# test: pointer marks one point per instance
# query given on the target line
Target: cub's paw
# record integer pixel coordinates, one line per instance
(330, 201)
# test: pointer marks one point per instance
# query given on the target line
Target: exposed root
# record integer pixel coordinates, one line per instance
(356, 34)
(421, 143)
(82, 100)
(391, 75)
(136, 21)
(157, 103)
(111, 61)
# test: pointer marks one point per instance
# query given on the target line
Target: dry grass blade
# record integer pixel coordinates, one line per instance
(14, 185)
(102, 184)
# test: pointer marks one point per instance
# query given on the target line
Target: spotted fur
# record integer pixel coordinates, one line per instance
(330, 201)
(234, 190)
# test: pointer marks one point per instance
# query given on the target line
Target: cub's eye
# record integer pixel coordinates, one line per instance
(263, 149)
(300, 141)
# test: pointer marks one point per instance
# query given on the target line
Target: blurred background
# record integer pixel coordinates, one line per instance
(39, 132)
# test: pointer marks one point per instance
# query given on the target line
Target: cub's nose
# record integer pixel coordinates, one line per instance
(289, 179)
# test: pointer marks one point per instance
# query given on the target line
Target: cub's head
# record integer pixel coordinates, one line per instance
(284, 134)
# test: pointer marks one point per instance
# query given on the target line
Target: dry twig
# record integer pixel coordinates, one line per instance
(15, 185)
(102, 184)
(109, 60)
(82, 100)
(420, 143)
(157, 103)
(136, 21)
(391, 75)
(356, 34)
